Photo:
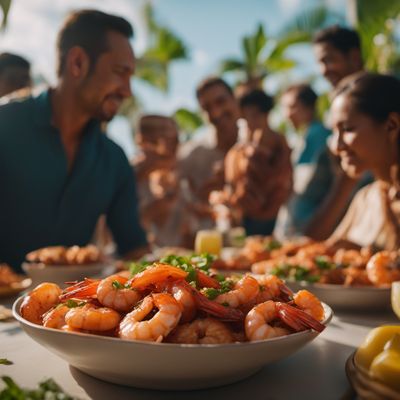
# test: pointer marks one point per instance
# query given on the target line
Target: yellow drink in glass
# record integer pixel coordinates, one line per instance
(208, 241)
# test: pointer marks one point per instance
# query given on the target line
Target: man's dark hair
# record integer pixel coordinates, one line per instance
(210, 82)
(88, 29)
(342, 39)
(304, 93)
(259, 99)
(8, 60)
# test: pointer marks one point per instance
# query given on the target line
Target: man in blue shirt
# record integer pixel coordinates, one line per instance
(58, 171)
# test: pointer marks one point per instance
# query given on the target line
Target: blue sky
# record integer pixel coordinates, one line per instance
(212, 30)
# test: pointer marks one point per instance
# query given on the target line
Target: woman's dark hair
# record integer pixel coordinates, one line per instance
(372, 94)
(259, 99)
(88, 29)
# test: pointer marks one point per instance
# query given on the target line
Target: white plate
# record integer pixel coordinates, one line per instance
(347, 297)
(164, 366)
(15, 287)
(60, 274)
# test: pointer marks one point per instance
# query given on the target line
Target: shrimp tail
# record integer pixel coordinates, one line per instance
(82, 290)
(213, 308)
(204, 280)
(297, 319)
(286, 294)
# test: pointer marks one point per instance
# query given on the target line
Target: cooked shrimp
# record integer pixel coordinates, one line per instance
(92, 318)
(310, 304)
(40, 300)
(257, 322)
(156, 274)
(185, 299)
(202, 331)
(383, 268)
(155, 329)
(113, 293)
(266, 266)
(272, 288)
(55, 318)
(243, 292)
(351, 257)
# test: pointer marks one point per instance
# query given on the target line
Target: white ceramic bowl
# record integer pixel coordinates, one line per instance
(164, 366)
(60, 274)
(347, 298)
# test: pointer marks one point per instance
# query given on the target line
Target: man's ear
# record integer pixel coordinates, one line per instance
(393, 128)
(77, 63)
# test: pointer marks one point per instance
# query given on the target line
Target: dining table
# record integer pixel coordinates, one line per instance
(316, 371)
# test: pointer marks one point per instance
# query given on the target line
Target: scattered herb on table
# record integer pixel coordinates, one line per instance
(47, 390)
(4, 361)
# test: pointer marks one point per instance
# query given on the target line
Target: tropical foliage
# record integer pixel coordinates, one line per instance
(164, 47)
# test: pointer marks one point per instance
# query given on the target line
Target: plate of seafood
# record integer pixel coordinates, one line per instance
(12, 283)
(61, 264)
(346, 279)
(172, 326)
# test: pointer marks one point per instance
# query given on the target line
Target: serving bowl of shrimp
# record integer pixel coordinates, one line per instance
(173, 326)
(60, 264)
(345, 279)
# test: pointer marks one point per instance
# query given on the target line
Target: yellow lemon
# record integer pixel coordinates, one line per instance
(396, 298)
(208, 241)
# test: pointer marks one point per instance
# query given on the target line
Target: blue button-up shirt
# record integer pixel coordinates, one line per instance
(44, 204)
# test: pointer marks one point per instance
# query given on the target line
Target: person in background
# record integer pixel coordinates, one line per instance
(275, 169)
(68, 172)
(162, 209)
(299, 107)
(338, 53)
(366, 124)
(15, 73)
(201, 159)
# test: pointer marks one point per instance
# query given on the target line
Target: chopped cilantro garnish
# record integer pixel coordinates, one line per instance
(183, 263)
(72, 303)
(323, 263)
(4, 361)
(47, 390)
(273, 245)
(136, 268)
(117, 285)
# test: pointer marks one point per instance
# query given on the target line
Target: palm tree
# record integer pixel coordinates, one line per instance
(164, 48)
(263, 55)
(376, 22)
(5, 8)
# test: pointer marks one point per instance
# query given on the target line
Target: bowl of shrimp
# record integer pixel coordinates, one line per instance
(60, 264)
(172, 326)
(345, 279)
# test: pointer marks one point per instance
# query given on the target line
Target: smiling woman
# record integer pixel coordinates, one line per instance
(366, 122)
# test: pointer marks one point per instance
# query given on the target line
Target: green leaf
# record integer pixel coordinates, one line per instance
(273, 245)
(231, 64)
(135, 268)
(4, 361)
(187, 120)
(5, 8)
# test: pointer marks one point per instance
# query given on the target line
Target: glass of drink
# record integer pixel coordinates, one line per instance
(208, 241)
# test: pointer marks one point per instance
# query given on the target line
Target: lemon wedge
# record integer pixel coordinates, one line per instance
(208, 241)
(395, 296)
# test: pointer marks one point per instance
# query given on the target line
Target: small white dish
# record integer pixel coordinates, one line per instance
(352, 298)
(164, 366)
(60, 274)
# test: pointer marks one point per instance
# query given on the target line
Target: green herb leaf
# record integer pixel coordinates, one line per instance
(4, 361)
(273, 245)
(136, 268)
(323, 263)
(117, 285)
